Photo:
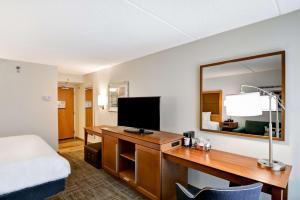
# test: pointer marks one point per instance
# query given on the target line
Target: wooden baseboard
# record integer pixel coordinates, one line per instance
(79, 138)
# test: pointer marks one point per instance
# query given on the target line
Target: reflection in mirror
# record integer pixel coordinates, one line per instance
(226, 78)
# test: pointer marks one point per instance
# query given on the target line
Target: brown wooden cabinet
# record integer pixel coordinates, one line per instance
(136, 159)
(148, 171)
(109, 153)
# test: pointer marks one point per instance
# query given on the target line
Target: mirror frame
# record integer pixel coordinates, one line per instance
(282, 54)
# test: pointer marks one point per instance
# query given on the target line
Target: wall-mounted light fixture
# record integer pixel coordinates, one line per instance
(102, 101)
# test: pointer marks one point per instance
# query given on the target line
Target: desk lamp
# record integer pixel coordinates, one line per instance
(253, 104)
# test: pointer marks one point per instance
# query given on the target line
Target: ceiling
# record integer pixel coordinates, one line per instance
(243, 67)
(82, 36)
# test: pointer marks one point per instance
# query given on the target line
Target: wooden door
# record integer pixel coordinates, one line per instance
(148, 171)
(109, 153)
(89, 108)
(212, 102)
(66, 113)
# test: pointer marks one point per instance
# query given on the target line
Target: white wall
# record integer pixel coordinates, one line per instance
(80, 98)
(70, 78)
(80, 110)
(174, 75)
(22, 108)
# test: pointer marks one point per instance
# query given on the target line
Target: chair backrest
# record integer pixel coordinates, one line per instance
(249, 192)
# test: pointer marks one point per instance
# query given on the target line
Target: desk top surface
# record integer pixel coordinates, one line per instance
(158, 137)
(233, 163)
(97, 129)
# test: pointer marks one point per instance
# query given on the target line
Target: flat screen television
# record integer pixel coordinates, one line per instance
(139, 113)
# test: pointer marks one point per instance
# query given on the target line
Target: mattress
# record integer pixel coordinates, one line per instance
(27, 161)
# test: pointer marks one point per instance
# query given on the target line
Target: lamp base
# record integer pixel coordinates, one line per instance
(275, 166)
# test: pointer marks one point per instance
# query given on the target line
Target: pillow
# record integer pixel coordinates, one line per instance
(206, 116)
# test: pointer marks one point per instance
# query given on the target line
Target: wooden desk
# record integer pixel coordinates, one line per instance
(95, 130)
(134, 158)
(239, 170)
(228, 126)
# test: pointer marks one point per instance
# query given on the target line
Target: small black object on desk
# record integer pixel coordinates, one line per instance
(189, 134)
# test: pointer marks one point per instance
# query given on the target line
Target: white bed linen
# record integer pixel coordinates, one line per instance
(210, 125)
(27, 161)
(207, 123)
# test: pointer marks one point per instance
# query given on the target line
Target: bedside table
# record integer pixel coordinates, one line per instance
(228, 126)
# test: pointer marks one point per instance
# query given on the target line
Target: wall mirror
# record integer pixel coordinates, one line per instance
(219, 80)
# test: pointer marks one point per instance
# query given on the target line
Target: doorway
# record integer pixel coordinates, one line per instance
(65, 112)
(88, 107)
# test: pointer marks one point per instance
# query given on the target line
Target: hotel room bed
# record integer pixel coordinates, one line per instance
(30, 168)
(207, 123)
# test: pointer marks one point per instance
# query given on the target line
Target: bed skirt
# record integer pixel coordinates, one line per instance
(38, 192)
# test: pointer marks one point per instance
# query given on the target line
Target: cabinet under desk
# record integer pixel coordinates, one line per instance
(134, 158)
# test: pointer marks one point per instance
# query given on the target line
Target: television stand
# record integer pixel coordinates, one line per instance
(138, 131)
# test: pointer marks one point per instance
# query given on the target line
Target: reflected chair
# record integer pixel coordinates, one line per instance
(248, 192)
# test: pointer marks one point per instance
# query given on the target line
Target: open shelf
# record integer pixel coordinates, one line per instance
(127, 161)
(128, 175)
(128, 155)
(127, 150)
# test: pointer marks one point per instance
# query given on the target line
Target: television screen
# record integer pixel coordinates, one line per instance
(139, 112)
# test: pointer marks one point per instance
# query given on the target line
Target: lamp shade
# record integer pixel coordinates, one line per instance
(265, 103)
(113, 89)
(244, 104)
(102, 100)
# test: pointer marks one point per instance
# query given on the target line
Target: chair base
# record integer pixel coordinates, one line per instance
(275, 165)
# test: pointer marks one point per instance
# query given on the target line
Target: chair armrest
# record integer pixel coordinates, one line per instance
(186, 193)
(182, 192)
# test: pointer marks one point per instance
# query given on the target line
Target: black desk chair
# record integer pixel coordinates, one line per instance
(249, 192)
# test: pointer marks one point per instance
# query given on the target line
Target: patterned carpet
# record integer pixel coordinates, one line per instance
(89, 183)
